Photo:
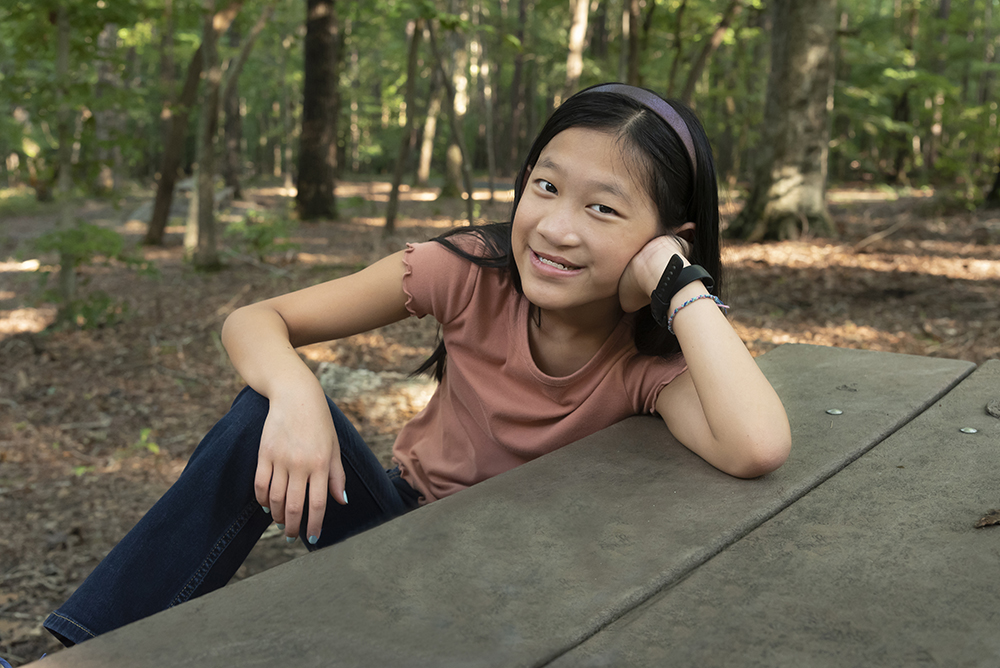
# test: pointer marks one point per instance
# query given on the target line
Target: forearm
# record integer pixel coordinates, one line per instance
(257, 340)
(746, 421)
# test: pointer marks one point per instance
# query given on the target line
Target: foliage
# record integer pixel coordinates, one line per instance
(914, 99)
(144, 442)
(82, 245)
(260, 234)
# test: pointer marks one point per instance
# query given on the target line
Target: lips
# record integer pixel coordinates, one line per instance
(553, 261)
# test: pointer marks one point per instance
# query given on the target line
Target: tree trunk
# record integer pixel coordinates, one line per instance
(105, 119)
(993, 196)
(167, 74)
(632, 63)
(199, 238)
(707, 50)
(231, 99)
(64, 184)
(455, 129)
(415, 28)
(517, 91)
(232, 128)
(487, 91)
(233, 139)
(174, 149)
(678, 47)
(287, 118)
(457, 153)
(937, 101)
(599, 32)
(787, 196)
(320, 101)
(577, 33)
(430, 130)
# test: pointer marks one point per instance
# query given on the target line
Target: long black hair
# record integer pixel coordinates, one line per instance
(650, 144)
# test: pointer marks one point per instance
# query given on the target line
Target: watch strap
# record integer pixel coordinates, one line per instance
(675, 276)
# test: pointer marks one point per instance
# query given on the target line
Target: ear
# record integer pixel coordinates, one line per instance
(527, 173)
(686, 232)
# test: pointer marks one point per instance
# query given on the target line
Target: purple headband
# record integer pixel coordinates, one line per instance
(662, 109)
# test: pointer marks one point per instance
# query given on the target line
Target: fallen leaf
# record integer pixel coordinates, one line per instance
(992, 518)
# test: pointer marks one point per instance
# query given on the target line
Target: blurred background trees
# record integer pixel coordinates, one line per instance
(910, 97)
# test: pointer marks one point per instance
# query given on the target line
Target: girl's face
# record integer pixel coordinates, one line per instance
(583, 215)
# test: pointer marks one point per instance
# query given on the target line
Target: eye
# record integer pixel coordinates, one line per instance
(546, 186)
(606, 210)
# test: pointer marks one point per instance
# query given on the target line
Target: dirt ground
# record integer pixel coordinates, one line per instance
(96, 424)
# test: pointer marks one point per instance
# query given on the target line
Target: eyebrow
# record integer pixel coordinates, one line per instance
(600, 186)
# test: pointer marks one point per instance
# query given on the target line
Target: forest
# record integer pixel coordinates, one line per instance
(167, 161)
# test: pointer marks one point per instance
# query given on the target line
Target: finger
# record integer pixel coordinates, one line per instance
(317, 507)
(279, 484)
(262, 485)
(338, 481)
(294, 502)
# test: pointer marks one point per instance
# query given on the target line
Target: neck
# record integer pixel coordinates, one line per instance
(562, 342)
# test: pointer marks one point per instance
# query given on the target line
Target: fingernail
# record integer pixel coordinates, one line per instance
(281, 527)
(345, 497)
(266, 509)
(290, 539)
(313, 539)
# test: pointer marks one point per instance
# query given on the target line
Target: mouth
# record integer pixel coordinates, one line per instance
(558, 263)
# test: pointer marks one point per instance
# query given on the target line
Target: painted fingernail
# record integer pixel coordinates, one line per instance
(281, 527)
(266, 509)
(290, 539)
(313, 539)
(345, 497)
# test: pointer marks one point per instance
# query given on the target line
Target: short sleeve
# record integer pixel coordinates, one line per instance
(646, 375)
(437, 282)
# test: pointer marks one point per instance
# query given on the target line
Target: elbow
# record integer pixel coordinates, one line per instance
(228, 325)
(762, 455)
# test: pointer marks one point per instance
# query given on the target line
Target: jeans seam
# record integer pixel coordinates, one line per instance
(220, 546)
(76, 624)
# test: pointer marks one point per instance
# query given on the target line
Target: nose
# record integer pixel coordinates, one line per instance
(559, 226)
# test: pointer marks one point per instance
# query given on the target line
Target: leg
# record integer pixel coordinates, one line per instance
(194, 539)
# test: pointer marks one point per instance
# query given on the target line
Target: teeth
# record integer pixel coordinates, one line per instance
(554, 264)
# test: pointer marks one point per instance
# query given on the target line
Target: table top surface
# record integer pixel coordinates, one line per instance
(627, 549)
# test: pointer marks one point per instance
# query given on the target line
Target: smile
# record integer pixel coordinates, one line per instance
(554, 264)
(549, 262)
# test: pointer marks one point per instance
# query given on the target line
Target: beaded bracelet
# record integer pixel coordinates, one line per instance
(670, 320)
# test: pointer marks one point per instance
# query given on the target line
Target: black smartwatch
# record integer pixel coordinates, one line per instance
(675, 277)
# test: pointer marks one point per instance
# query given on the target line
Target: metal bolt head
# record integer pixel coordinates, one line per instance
(968, 430)
(835, 411)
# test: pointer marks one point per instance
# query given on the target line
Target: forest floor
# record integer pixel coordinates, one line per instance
(96, 424)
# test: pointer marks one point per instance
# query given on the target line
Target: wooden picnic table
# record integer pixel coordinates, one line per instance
(625, 549)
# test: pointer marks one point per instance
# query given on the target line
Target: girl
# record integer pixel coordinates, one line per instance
(594, 303)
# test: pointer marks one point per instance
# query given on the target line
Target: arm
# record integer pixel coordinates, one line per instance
(299, 443)
(722, 407)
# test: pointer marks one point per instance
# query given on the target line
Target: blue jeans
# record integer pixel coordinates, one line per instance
(194, 539)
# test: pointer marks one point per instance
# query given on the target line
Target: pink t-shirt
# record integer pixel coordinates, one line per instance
(494, 408)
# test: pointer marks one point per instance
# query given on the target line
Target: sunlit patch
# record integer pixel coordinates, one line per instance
(849, 335)
(506, 195)
(22, 320)
(133, 227)
(278, 191)
(806, 255)
(881, 195)
(27, 265)
(319, 352)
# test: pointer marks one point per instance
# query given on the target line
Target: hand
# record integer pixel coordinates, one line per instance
(643, 272)
(299, 448)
